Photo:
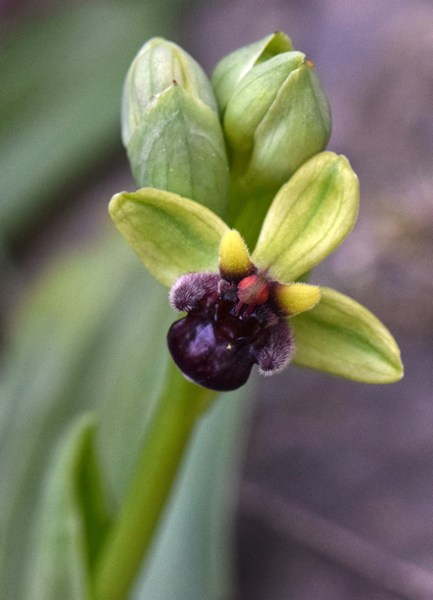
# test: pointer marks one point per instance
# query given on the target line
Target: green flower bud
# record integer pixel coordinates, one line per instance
(275, 118)
(171, 128)
(157, 65)
(233, 67)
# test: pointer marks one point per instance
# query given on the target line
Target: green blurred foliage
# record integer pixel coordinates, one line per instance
(62, 74)
(89, 337)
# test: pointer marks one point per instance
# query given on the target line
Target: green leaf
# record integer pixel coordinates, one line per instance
(179, 147)
(309, 217)
(72, 522)
(104, 351)
(170, 234)
(343, 338)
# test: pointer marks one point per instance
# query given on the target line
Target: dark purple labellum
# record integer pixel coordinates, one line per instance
(222, 337)
(205, 353)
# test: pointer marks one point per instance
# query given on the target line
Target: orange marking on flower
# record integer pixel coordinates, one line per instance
(253, 289)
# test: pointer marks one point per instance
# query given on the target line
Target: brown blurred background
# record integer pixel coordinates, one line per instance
(352, 456)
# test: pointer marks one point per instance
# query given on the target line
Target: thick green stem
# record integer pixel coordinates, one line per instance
(248, 202)
(179, 406)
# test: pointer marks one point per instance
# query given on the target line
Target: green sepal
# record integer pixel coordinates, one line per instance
(309, 217)
(343, 338)
(73, 520)
(179, 147)
(233, 67)
(170, 234)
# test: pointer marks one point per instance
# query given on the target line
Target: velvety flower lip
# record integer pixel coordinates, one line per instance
(217, 344)
(235, 319)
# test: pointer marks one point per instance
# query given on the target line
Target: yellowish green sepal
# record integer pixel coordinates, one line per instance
(170, 234)
(343, 338)
(254, 96)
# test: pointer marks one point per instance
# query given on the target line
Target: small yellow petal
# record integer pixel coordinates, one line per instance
(295, 298)
(234, 258)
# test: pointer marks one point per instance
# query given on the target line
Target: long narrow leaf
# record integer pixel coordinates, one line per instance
(62, 359)
(72, 522)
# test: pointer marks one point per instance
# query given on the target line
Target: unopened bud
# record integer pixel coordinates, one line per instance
(275, 117)
(171, 128)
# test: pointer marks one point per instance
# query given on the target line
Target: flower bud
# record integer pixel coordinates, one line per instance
(233, 67)
(276, 115)
(171, 128)
(157, 65)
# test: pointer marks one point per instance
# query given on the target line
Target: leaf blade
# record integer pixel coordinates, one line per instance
(71, 518)
(77, 369)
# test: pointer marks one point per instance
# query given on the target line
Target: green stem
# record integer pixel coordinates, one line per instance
(248, 212)
(179, 406)
(248, 201)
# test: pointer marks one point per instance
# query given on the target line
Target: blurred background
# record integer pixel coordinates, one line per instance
(357, 460)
